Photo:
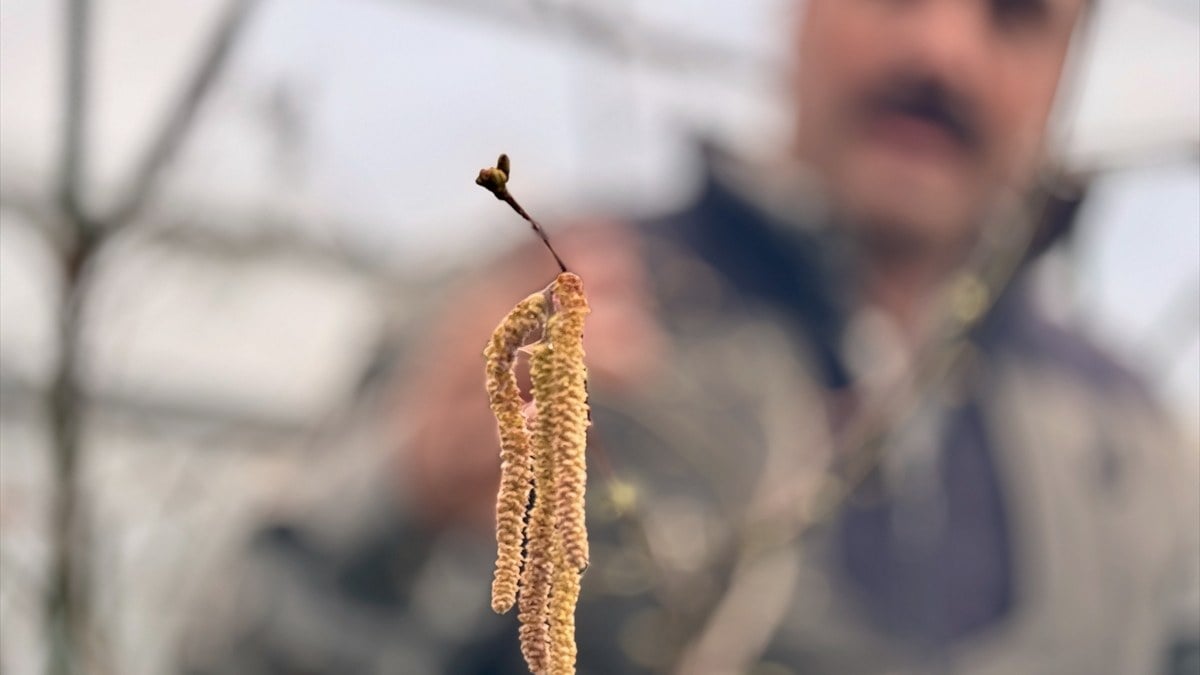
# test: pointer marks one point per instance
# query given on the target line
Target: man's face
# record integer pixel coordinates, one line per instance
(919, 114)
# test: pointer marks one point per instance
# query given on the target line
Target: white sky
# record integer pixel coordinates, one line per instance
(402, 102)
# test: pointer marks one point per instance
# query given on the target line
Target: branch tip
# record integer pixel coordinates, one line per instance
(494, 179)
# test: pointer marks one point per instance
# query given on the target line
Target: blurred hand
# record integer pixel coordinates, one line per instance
(450, 463)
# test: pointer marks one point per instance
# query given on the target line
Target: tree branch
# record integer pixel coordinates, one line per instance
(180, 120)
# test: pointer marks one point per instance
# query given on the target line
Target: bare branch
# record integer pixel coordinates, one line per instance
(74, 136)
(180, 120)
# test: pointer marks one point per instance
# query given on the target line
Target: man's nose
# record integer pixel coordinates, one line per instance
(948, 38)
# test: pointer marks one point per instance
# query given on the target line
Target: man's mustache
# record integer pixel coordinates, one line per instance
(928, 99)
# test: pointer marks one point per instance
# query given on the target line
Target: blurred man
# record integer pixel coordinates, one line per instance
(1025, 511)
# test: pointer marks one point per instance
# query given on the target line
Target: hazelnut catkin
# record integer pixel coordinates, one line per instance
(545, 452)
(563, 599)
(542, 542)
(568, 410)
(516, 473)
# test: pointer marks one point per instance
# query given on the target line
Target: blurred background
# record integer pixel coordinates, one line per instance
(278, 185)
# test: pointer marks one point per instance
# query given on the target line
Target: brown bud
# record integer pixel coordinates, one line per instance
(493, 180)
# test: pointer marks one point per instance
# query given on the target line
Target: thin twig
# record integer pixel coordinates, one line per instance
(495, 180)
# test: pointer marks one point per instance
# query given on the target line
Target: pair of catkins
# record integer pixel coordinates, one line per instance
(542, 551)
